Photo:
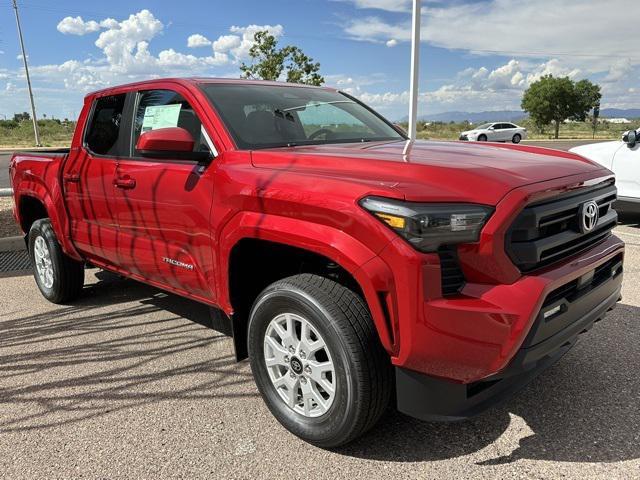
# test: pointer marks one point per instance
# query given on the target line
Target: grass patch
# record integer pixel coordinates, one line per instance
(53, 133)
(568, 131)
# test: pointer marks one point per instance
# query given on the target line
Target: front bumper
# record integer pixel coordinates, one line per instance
(577, 303)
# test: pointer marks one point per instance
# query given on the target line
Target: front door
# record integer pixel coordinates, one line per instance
(163, 205)
(88, 180)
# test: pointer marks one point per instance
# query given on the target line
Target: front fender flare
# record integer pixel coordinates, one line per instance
(324, 240)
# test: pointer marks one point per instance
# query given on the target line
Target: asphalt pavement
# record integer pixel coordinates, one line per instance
(5, 156)
(130, 382)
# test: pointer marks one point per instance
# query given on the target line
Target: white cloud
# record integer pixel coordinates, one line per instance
(225, 43)
(392, 43)
(77, 26)
(476, 89)
(196, 40)
(125, 46)
(589, 44)
(619, 70)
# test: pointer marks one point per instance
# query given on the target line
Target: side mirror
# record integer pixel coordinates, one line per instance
(630, 138)
(170, 143)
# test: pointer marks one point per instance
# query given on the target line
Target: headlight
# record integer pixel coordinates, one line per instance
(427, 226)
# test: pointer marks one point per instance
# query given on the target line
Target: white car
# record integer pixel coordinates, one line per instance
(623, 159)
(495, 132)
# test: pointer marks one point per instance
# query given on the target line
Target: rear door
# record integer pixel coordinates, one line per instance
(501, 131)
(88, 179)
(509, 131)
(163, 204)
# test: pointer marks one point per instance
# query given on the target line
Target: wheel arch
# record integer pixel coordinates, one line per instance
(296, 246)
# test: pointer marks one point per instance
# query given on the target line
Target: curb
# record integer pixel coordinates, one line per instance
(12, 244)
(6, 192)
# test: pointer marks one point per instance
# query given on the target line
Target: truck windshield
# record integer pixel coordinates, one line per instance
(264, 116)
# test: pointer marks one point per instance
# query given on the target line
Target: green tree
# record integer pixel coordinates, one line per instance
(268, 62)
(556, 99)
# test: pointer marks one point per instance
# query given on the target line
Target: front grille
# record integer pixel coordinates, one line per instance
(451, 275)
(549, 231)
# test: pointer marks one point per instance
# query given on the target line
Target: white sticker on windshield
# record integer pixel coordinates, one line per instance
(160, 116)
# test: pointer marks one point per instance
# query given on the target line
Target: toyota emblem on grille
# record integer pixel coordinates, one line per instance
(588, 216)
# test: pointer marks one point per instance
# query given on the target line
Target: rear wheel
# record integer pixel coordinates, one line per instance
(482, 138)
(59, 277)
(516, 138)
(317, 360)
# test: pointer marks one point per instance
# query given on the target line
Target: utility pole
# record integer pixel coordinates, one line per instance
(415, 61)
(26, 71)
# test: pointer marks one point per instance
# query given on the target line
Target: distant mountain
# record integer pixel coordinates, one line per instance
(512, 115)
(620, 112)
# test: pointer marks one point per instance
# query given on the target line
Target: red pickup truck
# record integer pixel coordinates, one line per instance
(353, 266)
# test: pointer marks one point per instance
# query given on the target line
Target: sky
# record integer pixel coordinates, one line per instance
(475, 56)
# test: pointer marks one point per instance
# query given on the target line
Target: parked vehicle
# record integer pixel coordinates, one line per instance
(495, 132)
(623, 158)
(348, 261)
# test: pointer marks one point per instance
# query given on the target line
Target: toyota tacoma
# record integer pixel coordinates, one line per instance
(351, 265)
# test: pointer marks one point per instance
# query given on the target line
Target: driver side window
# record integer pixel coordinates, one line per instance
(166, 108)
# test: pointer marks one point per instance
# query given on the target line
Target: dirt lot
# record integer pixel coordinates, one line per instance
(129, 382)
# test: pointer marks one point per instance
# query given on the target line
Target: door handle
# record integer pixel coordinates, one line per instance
(71, 177)
(125, 183)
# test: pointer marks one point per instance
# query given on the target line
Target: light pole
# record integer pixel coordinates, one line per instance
(415, 60)
(26, 71)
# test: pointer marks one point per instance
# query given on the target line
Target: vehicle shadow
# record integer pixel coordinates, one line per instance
(584, 409)
(120, 346)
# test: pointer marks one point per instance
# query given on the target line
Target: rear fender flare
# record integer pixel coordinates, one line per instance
(53, 201)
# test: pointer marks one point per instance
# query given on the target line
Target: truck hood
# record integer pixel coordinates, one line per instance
(434, 171)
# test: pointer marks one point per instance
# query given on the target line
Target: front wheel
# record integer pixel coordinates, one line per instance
(482, 138)
(516, 138)
(59, 277)
(317, 360)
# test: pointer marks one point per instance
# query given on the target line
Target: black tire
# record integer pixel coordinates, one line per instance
(516, 138)
(482, 138)
(364, 377)
(68, 274)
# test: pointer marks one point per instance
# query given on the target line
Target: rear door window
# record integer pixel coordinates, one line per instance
(103, 131)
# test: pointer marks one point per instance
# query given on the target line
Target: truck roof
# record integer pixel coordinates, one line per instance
(198, 80)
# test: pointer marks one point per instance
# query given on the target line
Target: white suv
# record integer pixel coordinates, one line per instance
(495, 132)
(623, 158)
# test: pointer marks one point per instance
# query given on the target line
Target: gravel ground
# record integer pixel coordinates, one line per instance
(8, 226)
(129, 382)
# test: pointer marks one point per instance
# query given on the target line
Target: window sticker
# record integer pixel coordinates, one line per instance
(160, 116)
